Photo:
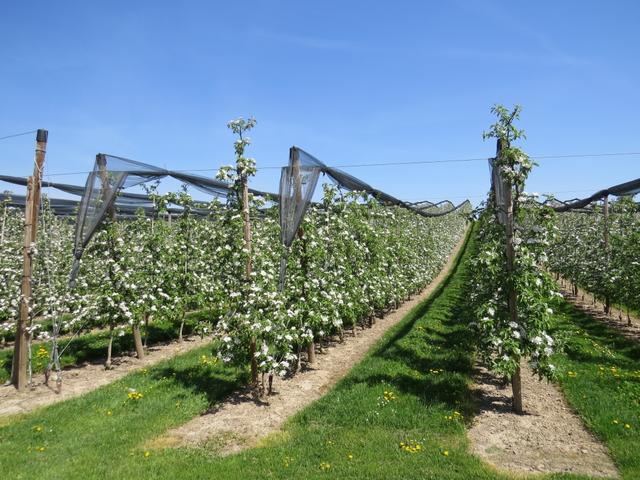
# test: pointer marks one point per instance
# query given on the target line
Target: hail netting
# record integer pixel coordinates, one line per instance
(109, 176)
(297, 183)
(352, 183)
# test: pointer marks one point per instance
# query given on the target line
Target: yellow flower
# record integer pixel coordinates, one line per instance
(626, 425)
(325, 466)
(146, 454)
(445, 453)
(350, 456)
(133, 395)
(109, 412)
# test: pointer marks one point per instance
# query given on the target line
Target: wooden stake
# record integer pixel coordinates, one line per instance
(32, 207)
(516, 380)
(607, 299)
(248, 268)
(295, 164)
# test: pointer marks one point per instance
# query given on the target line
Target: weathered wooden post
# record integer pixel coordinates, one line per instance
(607, 298)
(32, 207)
(516, 379)
(295, 170)
(101, 160)
(249, 265)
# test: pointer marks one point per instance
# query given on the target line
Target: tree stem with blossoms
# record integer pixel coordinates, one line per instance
(245, 168)
(512, 291)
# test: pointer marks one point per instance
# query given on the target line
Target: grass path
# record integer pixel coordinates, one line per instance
(600, 378)
(400, 413)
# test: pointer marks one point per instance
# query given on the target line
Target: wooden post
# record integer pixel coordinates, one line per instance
(607, 299)
(248, 268)
(516, 380)
(32, 207)
(295, 171)
(101, 161)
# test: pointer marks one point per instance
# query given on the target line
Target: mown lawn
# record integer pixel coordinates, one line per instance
(400, 413)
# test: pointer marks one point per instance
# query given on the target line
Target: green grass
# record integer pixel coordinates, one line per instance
(425, 361)
(92, 347)
(604, 386)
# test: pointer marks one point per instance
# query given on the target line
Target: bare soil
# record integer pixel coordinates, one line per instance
(594, 308)
(548, 438)
(242, 420)
(83, 379)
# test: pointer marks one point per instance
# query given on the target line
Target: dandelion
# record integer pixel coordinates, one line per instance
(134, 394)
(325, 466)
(411, 446)
(147, 454)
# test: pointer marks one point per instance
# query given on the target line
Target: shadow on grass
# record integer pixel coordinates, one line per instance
(602, 334)
(91, 348)
(215, 383)
(434, 342)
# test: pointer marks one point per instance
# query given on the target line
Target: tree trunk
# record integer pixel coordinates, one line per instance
(254, 362)
(298, 361)
(107, 364)
(311, 353)
(516, 387)
(137, 339)
(181, 329)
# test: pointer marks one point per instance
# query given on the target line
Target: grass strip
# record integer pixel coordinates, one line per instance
(599, 374)
(92, 347)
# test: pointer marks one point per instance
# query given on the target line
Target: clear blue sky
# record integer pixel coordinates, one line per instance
(349, 81)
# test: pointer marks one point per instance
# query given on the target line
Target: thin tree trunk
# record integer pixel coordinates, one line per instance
(254, 362)
(181, 329)
(516, 387)
(137, 340)
(311, 353)
(107, 364)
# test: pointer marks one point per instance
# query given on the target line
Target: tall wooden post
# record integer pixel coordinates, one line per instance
(607, 298)
(295, 171)
(516, 379)
(248, 268)
(32, 207)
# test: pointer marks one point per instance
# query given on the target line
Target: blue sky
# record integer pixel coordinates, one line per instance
(349, 81)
